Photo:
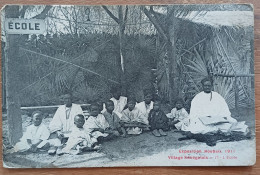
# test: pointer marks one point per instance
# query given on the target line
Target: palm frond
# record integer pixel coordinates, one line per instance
(226, 90)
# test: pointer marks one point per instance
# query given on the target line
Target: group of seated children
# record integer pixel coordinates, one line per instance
(113, 121)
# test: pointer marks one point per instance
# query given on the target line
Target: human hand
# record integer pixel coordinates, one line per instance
(60, 134)
(186, 123)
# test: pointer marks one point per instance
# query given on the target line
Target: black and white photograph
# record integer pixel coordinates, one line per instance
(128, 85)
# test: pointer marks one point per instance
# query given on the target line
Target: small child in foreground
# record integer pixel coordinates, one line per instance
(178, 118)
(158, 120)
(133, 120)
(79, 139)
(35, 136)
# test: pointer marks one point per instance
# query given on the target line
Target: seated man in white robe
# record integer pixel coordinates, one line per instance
(210, 114)
(63, 121)
(80, 139)
(119, 101)
(97, 125)
(147, 105)
(35, 136)
(133, 120)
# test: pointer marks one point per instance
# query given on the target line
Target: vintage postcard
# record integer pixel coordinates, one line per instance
(128, 85)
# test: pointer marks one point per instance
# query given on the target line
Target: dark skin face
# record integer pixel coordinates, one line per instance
(156, 106)
(79, 121)
(110, 107)
(131, 105)
(179, 105)
(117, 94)
(94, 111)
(67, 100)
(207, 86)
(148, 98)
(37, 119)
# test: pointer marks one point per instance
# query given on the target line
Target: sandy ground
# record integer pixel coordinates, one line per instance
(144, 150)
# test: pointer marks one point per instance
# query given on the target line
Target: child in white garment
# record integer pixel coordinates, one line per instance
(35, 136)
(178, 118)
(133, 120)
(79, 139)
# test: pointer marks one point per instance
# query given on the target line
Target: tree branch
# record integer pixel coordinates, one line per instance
(110, 14)
(22, 12)
(43, 14)
(155, 23)
(125, 18)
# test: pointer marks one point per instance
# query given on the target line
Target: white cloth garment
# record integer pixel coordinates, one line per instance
(96, 122)
(63, 119)
(35, 134)
(181, 115)
(134, 116)
(213, 105)
(77, 136)
(144, 108)
(119, 105)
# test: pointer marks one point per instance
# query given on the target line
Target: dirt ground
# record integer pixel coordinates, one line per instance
(133, 150)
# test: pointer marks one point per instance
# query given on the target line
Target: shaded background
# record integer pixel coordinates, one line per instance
(171, 170)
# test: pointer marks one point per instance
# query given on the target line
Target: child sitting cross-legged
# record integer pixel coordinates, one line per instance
(97, 125)
(80, 139)
(158, 120)
(35, 136)
(113, 119)
(178, 118)
(133, 120)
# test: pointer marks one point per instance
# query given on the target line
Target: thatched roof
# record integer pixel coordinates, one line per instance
(221, 18)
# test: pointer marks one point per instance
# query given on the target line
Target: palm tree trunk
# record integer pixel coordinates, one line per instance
(168, 34)
(173, 72)
(121, 21)
(171, 50)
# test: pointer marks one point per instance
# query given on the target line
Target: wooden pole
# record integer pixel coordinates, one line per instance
(236, 94)
(235, 75)
(12, 96)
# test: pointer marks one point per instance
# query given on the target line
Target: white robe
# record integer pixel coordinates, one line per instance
(96, 122)
(145, 109)
(181, 115)
(119, 105)
(214, 105)
(77, 136)
(60, 122)
(35, 134)
(134, 116)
